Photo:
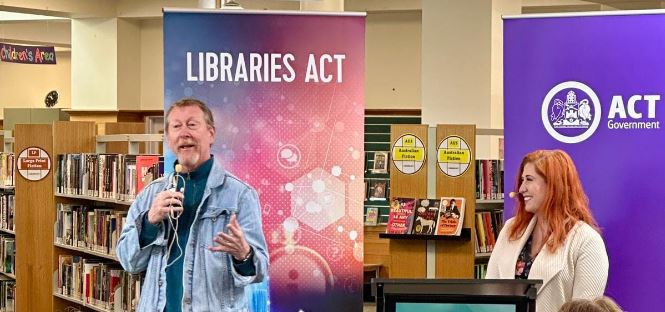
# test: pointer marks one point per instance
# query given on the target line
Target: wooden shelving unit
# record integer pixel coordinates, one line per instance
(12, 276)
(81, 303)
(109, 143)
(87, 251)
(455, 259)
(96, 199)
(35, 211)
(464, 236)
(408, 257)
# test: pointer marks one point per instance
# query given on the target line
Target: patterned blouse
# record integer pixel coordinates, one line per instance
(524, 261)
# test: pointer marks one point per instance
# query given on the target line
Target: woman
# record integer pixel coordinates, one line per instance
(601, 304)
(553, 237)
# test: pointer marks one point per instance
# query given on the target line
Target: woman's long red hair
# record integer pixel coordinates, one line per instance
(565, 203)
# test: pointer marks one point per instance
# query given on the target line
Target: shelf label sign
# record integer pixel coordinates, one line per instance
(453, 156)
(408, 154)
(34, 163)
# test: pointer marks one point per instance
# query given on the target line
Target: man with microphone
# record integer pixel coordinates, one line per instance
(197, 233)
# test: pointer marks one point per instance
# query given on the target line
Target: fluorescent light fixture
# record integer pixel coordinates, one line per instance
(13, 16)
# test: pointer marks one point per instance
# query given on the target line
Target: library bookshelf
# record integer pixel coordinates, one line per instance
(35, 213)
(93, 193)
(7, 233)
(37, 271)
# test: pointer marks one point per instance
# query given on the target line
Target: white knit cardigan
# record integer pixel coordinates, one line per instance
(577, 269)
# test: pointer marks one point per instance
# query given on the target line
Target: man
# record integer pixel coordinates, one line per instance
(202, 244)
(453, 210)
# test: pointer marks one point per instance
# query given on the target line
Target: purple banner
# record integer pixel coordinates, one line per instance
(13, 53)
(593, 86)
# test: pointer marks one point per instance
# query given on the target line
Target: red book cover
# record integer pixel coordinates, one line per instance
(145, 166)
(400, 218)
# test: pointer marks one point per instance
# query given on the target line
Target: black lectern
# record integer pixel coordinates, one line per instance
(407, 295)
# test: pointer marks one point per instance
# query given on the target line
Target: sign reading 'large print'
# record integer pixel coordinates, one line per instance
(13, 53)
(34, 163)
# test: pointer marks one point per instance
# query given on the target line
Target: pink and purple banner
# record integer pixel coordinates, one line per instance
(287, 92)
(593, 86)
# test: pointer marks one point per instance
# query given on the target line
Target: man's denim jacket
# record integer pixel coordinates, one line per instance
(210, 282)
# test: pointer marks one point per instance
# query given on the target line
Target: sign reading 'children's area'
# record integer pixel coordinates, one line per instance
(13, 53)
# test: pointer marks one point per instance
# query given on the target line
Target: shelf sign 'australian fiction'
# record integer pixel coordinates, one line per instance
(408, 154)
(27, 54)
(264, 67)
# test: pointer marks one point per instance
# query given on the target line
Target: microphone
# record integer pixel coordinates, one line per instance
(174, 187)
(174, 183)
(173, 216)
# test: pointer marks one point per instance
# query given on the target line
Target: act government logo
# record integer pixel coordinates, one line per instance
(571, 112)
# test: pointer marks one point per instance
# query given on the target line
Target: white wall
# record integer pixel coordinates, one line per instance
(26, 85)
(94, 64)
(129, 64)
(392, 60)
(50, 32)
(456, 79)
(152, 65)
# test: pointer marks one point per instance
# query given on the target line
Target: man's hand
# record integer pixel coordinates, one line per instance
(165, 202)
(234, 242)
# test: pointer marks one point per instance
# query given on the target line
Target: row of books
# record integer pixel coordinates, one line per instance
(111, 176)
(489, 179)
(7, 295)
(7, 253)
(488, 226)
(444, 216)
(7, 205)
(95, 228)
(98, 283)
(480, 270)
(7, 169)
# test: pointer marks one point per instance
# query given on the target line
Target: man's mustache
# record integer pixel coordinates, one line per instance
(186, 142)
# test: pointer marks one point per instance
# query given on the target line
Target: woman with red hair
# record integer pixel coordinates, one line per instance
(553, 236)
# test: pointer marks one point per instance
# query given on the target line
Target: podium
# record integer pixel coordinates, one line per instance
(499, 295)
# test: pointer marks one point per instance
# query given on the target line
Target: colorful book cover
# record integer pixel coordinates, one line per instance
(377, 190)
(372, 216)
(451, 216)
(426, 216)
(400, 219)
(145, 170)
